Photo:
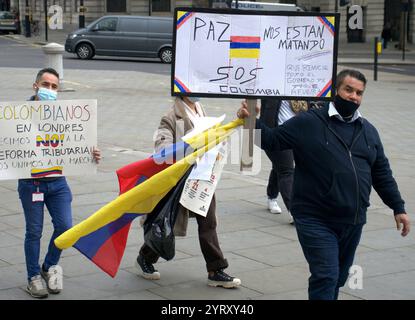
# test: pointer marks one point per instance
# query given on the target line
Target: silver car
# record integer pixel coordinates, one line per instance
(9, 22)
(126, 36)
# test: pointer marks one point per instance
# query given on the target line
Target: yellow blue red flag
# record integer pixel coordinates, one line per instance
(102, 237)
(244, 47)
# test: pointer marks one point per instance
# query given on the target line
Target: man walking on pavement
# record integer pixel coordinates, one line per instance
(339, 156)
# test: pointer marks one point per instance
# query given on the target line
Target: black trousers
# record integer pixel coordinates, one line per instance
(281, 176)
(282, 173)
(208, 240)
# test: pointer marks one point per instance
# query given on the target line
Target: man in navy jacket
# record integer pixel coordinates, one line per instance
(339, 156)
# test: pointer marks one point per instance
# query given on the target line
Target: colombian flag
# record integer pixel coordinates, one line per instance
(179, 86)
(182, 17)
(105, 246)
(38, 173)
(326, 91)
(102, 237)
(244, 47)
(329, 23)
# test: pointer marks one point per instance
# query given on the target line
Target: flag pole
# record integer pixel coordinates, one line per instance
(247, 153)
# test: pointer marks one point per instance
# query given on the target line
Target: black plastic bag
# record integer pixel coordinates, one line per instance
(159, 224)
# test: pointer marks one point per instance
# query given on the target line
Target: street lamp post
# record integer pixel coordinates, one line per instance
(405, 9)
(27, 20)
(45, 5)
(375, 64)
(81, 14)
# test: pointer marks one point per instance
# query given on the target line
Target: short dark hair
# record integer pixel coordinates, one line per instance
(349, 73)
(46, 70)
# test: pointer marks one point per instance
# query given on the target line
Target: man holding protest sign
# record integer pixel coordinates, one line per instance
(53, 192)
(338, 156)
(181, 119)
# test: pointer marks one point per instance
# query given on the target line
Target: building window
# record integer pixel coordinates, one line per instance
(4, 5)
(106, 24)
(116, 5)
(160, 5)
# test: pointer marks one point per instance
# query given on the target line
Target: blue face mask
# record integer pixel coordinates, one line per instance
(46, 94)
(193, 99)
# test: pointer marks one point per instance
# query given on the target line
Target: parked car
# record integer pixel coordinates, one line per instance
(127, 36)
(9, 22)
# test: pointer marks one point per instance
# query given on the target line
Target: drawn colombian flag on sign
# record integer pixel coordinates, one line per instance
(38, 173)
(182, 17)
(326, 91)
(103, 236)
(244, 47)
(179, 86)
(328, 22)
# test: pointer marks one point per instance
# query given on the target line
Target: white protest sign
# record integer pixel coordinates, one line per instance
(197, 193)
(47, 138)
(290, 55)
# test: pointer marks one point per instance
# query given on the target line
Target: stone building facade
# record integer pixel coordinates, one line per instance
(375, 12)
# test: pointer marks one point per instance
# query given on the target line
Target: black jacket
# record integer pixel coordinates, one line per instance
(269, 112)
(331, 180)
(270, 109)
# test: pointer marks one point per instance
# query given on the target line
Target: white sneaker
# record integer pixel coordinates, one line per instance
(290, 218)
(53, 279)
(146, 269)
(36, 288)
(273, 206)
(222, 279)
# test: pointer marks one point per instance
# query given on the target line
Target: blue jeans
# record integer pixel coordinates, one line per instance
(58, 198)
(329, 249)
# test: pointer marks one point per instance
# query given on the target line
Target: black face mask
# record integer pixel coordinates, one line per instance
(346, 108)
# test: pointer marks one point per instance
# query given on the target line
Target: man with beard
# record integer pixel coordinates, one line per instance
(339, 156)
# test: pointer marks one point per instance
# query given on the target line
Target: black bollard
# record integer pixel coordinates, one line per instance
(45, 6)
(375, 64)
(27, 31)
(81, 14)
